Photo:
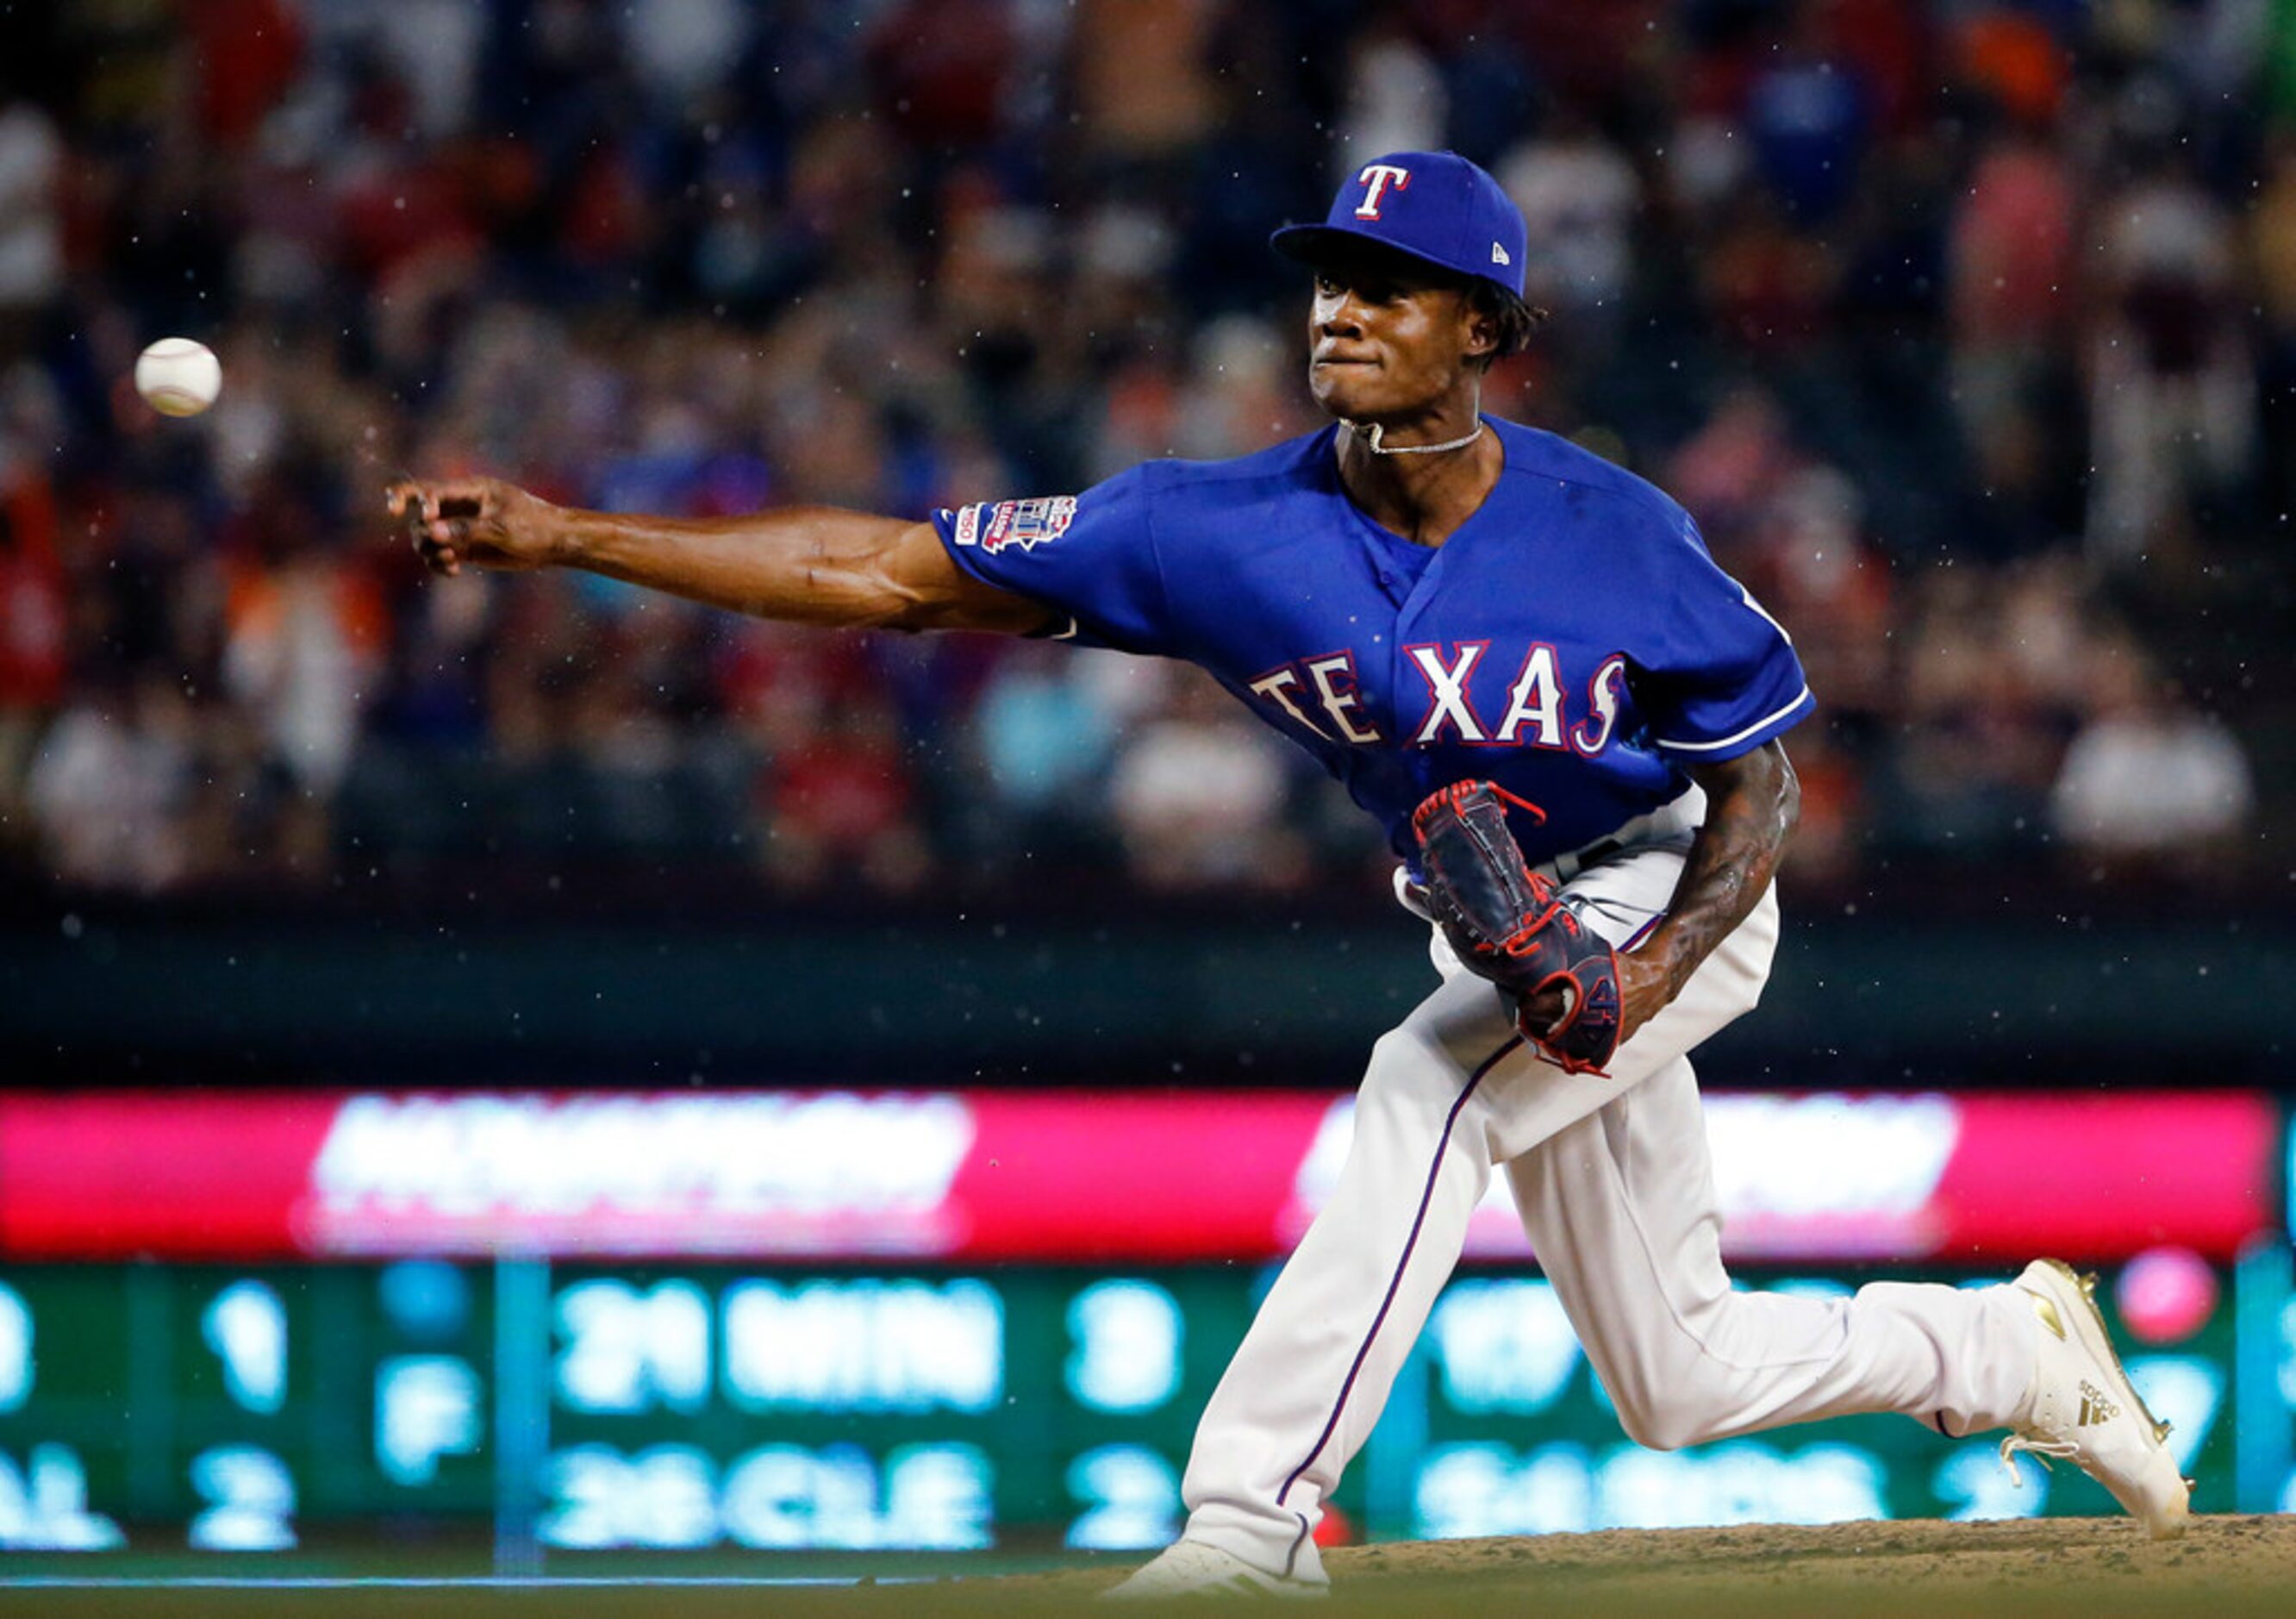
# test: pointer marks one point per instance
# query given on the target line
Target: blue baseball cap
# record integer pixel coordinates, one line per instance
(1434, 206)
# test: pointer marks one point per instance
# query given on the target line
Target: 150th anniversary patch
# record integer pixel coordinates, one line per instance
(1025, 524)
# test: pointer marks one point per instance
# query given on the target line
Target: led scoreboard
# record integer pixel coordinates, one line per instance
(658, 1407)
(947, 1322)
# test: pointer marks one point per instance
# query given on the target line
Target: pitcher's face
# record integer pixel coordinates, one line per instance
(1384, 343)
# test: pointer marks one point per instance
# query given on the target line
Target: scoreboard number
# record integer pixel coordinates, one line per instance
(630, 1349)
(247, 1327)
(1127, 1338)
(251, 1500)
(1133, 1499)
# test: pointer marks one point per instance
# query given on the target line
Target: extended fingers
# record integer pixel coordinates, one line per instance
(441, 539)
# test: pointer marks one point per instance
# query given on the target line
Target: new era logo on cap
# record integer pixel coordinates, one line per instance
(1435, 206)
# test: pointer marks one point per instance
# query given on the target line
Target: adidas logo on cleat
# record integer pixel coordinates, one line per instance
(2083, 1408)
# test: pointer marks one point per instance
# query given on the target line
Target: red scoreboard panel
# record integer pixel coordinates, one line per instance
(1065, 1176)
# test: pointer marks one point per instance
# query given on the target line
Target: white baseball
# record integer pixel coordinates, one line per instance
(178, 377)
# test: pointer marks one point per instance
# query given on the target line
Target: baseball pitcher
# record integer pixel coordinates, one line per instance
(1522, 662)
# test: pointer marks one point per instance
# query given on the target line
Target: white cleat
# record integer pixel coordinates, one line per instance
(2085, 1410)
(1190, 1568)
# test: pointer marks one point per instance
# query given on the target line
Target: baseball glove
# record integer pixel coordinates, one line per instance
(1505, 923)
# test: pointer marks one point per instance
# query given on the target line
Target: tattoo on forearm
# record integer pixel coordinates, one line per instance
(1749, 814)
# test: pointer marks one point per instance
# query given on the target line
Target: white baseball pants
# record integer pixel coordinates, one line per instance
(1616, 1191)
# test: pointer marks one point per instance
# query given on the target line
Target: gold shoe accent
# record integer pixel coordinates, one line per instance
(2046, 1309)
(2160, 1431)
(2088, 1285)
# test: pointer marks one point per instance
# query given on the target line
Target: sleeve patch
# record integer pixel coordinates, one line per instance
(1024, 524)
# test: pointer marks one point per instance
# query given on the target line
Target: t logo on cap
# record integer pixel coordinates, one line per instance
(1459, 219)
(1376, 178)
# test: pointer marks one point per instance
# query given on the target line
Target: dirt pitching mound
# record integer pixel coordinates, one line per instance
(2224, 1566)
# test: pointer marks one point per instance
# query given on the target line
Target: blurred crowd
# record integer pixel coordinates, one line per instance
(1968, 331)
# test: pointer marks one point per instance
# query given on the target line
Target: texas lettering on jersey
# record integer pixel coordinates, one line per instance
(1572, 641)
(1324, 696)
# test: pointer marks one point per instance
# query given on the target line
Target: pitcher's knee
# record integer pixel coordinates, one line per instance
(1666, 1424)
(1686, 1401)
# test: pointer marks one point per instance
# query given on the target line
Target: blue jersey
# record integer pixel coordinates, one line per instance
(1572, 640)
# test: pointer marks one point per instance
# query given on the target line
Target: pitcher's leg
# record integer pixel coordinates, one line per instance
(1314, 1370)
(1621, 1211)
(1447, 1094)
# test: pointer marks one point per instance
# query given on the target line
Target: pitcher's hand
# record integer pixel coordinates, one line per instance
(480, 521)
